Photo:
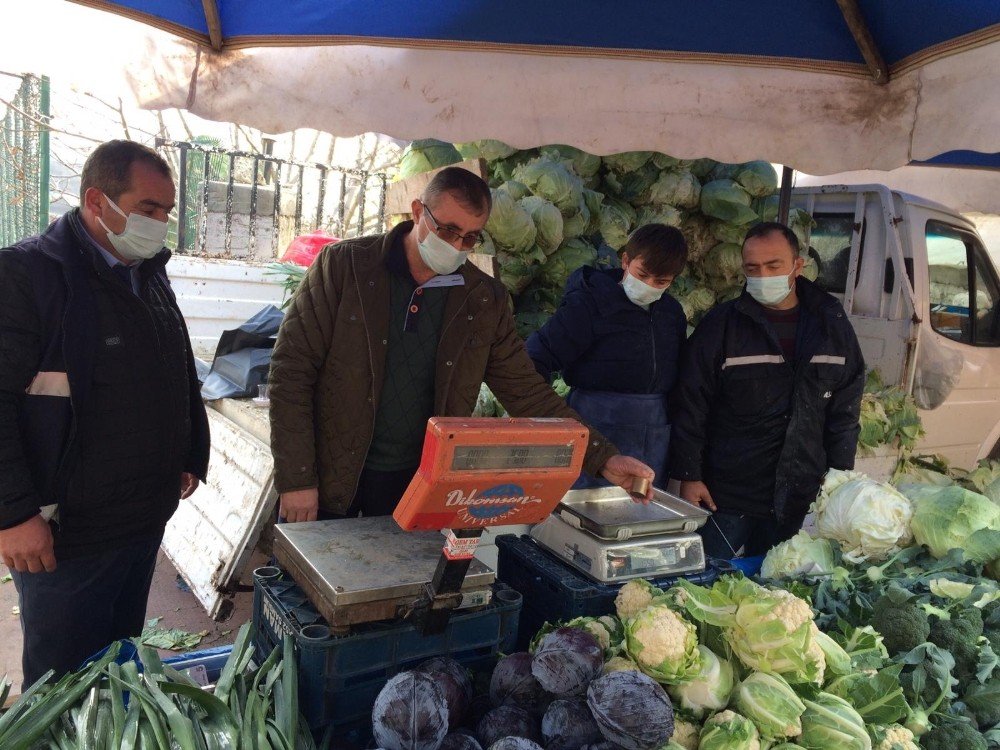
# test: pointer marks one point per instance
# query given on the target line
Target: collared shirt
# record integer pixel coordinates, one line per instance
(112, 261)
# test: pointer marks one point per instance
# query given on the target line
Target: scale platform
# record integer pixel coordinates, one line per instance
(610, 538)
(359, 570)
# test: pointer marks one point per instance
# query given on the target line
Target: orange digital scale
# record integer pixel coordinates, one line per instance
(474, 473)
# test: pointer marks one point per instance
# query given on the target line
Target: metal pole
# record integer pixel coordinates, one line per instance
(785, 196)
(182, 200)
(43, 156)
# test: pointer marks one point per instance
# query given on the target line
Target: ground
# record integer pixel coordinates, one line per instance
(178, 608)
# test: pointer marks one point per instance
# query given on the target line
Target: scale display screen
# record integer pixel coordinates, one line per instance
(479, 457)
(480, 472)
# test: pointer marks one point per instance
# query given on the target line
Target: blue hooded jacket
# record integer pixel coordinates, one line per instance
(601, 341)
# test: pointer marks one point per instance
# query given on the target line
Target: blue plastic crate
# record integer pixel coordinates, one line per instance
(749, 566)
(340, 677)
(552, 591)
(213, 659)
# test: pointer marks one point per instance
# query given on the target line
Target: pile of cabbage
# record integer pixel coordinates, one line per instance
(904, 577)
(888, 417)
(557, 208)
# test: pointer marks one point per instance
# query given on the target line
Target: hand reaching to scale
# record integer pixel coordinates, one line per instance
(624, 470)
(299, 505)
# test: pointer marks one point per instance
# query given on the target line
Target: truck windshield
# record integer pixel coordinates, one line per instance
(830, 245)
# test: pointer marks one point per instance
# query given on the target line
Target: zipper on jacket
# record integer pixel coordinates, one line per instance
(371, 366)
(465, 302)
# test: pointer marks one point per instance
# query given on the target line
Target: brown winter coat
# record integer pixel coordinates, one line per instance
(329, 362)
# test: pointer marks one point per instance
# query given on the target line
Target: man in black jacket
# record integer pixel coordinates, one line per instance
(102, 429)
(767, 400)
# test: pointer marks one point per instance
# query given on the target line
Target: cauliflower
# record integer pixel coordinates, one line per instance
(634, 597)
(663, 644)
(894, 737)
(729, 729)
(685, 734)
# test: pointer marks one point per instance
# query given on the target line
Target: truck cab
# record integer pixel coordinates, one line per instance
(922, 293)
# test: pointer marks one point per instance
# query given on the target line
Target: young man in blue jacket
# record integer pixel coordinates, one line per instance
(616, 339)
(102, 427)
(768, 399)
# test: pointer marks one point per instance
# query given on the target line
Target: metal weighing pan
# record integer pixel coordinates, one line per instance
(365, 569)
(610, 513)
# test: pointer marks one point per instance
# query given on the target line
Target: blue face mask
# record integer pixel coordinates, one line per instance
(769, 290)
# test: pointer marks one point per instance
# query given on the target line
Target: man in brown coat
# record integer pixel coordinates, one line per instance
(386, 332)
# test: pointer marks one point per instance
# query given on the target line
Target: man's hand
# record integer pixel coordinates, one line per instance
(622, 470)
(189, 483)
(697, 493)
(27, 547)
(300, 505)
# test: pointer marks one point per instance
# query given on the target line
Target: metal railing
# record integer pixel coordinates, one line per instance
(24, 161)
(281, 198)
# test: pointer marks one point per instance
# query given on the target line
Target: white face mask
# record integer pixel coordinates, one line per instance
(769, 290)
(142, 238)
(639, 292)
(438, 255)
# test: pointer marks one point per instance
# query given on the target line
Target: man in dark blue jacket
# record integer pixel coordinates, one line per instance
(768, 399)
(616, 339)
(102, 428)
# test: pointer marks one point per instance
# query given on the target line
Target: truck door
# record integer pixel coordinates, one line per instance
(958, 368)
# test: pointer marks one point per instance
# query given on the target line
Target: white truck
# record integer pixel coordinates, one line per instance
(932, 328)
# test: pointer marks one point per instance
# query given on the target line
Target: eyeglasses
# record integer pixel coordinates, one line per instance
(469, 241)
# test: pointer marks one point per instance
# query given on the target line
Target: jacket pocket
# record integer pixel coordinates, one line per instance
(754, 390)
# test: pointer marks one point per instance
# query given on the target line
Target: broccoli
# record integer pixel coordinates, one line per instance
(958, 636)
(983, 703)
(953, 736)
(903, 625)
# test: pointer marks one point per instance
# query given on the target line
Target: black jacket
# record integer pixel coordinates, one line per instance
(758, 430)
(56, 296)
(601, 341)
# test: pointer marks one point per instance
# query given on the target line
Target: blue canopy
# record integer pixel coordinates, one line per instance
(792, 82)
(811, 33)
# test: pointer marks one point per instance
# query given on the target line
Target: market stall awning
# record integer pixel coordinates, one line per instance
(823, 85)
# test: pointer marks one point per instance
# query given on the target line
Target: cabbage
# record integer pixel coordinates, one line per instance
(553, 181)
(680, 189)
(583, 164)
(487, 247)
(831, 722)
(699, 300)
(724, 199)
(663, 644)
(698, 233)
(569, 725)
(702, 168)
(633, 186)
(548, 222)
(425, 155)
(771, 704)
(510, 226)
(566, 661)
(723, 231)
(485, 149)
(616, 225)
(710, 689)
(515, 189)
(507, 722)
(571, 255)
(729, 731)
(575, 225)
(410, 713)
(724, 261)
(802, 555)
(799, 221)
(631, 710)
(758, 178)
(984, 479)
(592, 199)
(454, 681)
(810, 271)
(947, 518)
(513, 684)
(627, 161)
(663, 161)
(658, 215)
(516, 272)
(607, 629)
(871, 521)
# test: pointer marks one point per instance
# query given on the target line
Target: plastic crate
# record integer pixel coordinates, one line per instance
(340, 677)
(212, 659)
(552, 591)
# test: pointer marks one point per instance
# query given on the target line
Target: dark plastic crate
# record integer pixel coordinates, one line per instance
(340, 677)
(552, 591)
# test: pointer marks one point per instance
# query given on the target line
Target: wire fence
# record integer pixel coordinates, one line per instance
(24, 161)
